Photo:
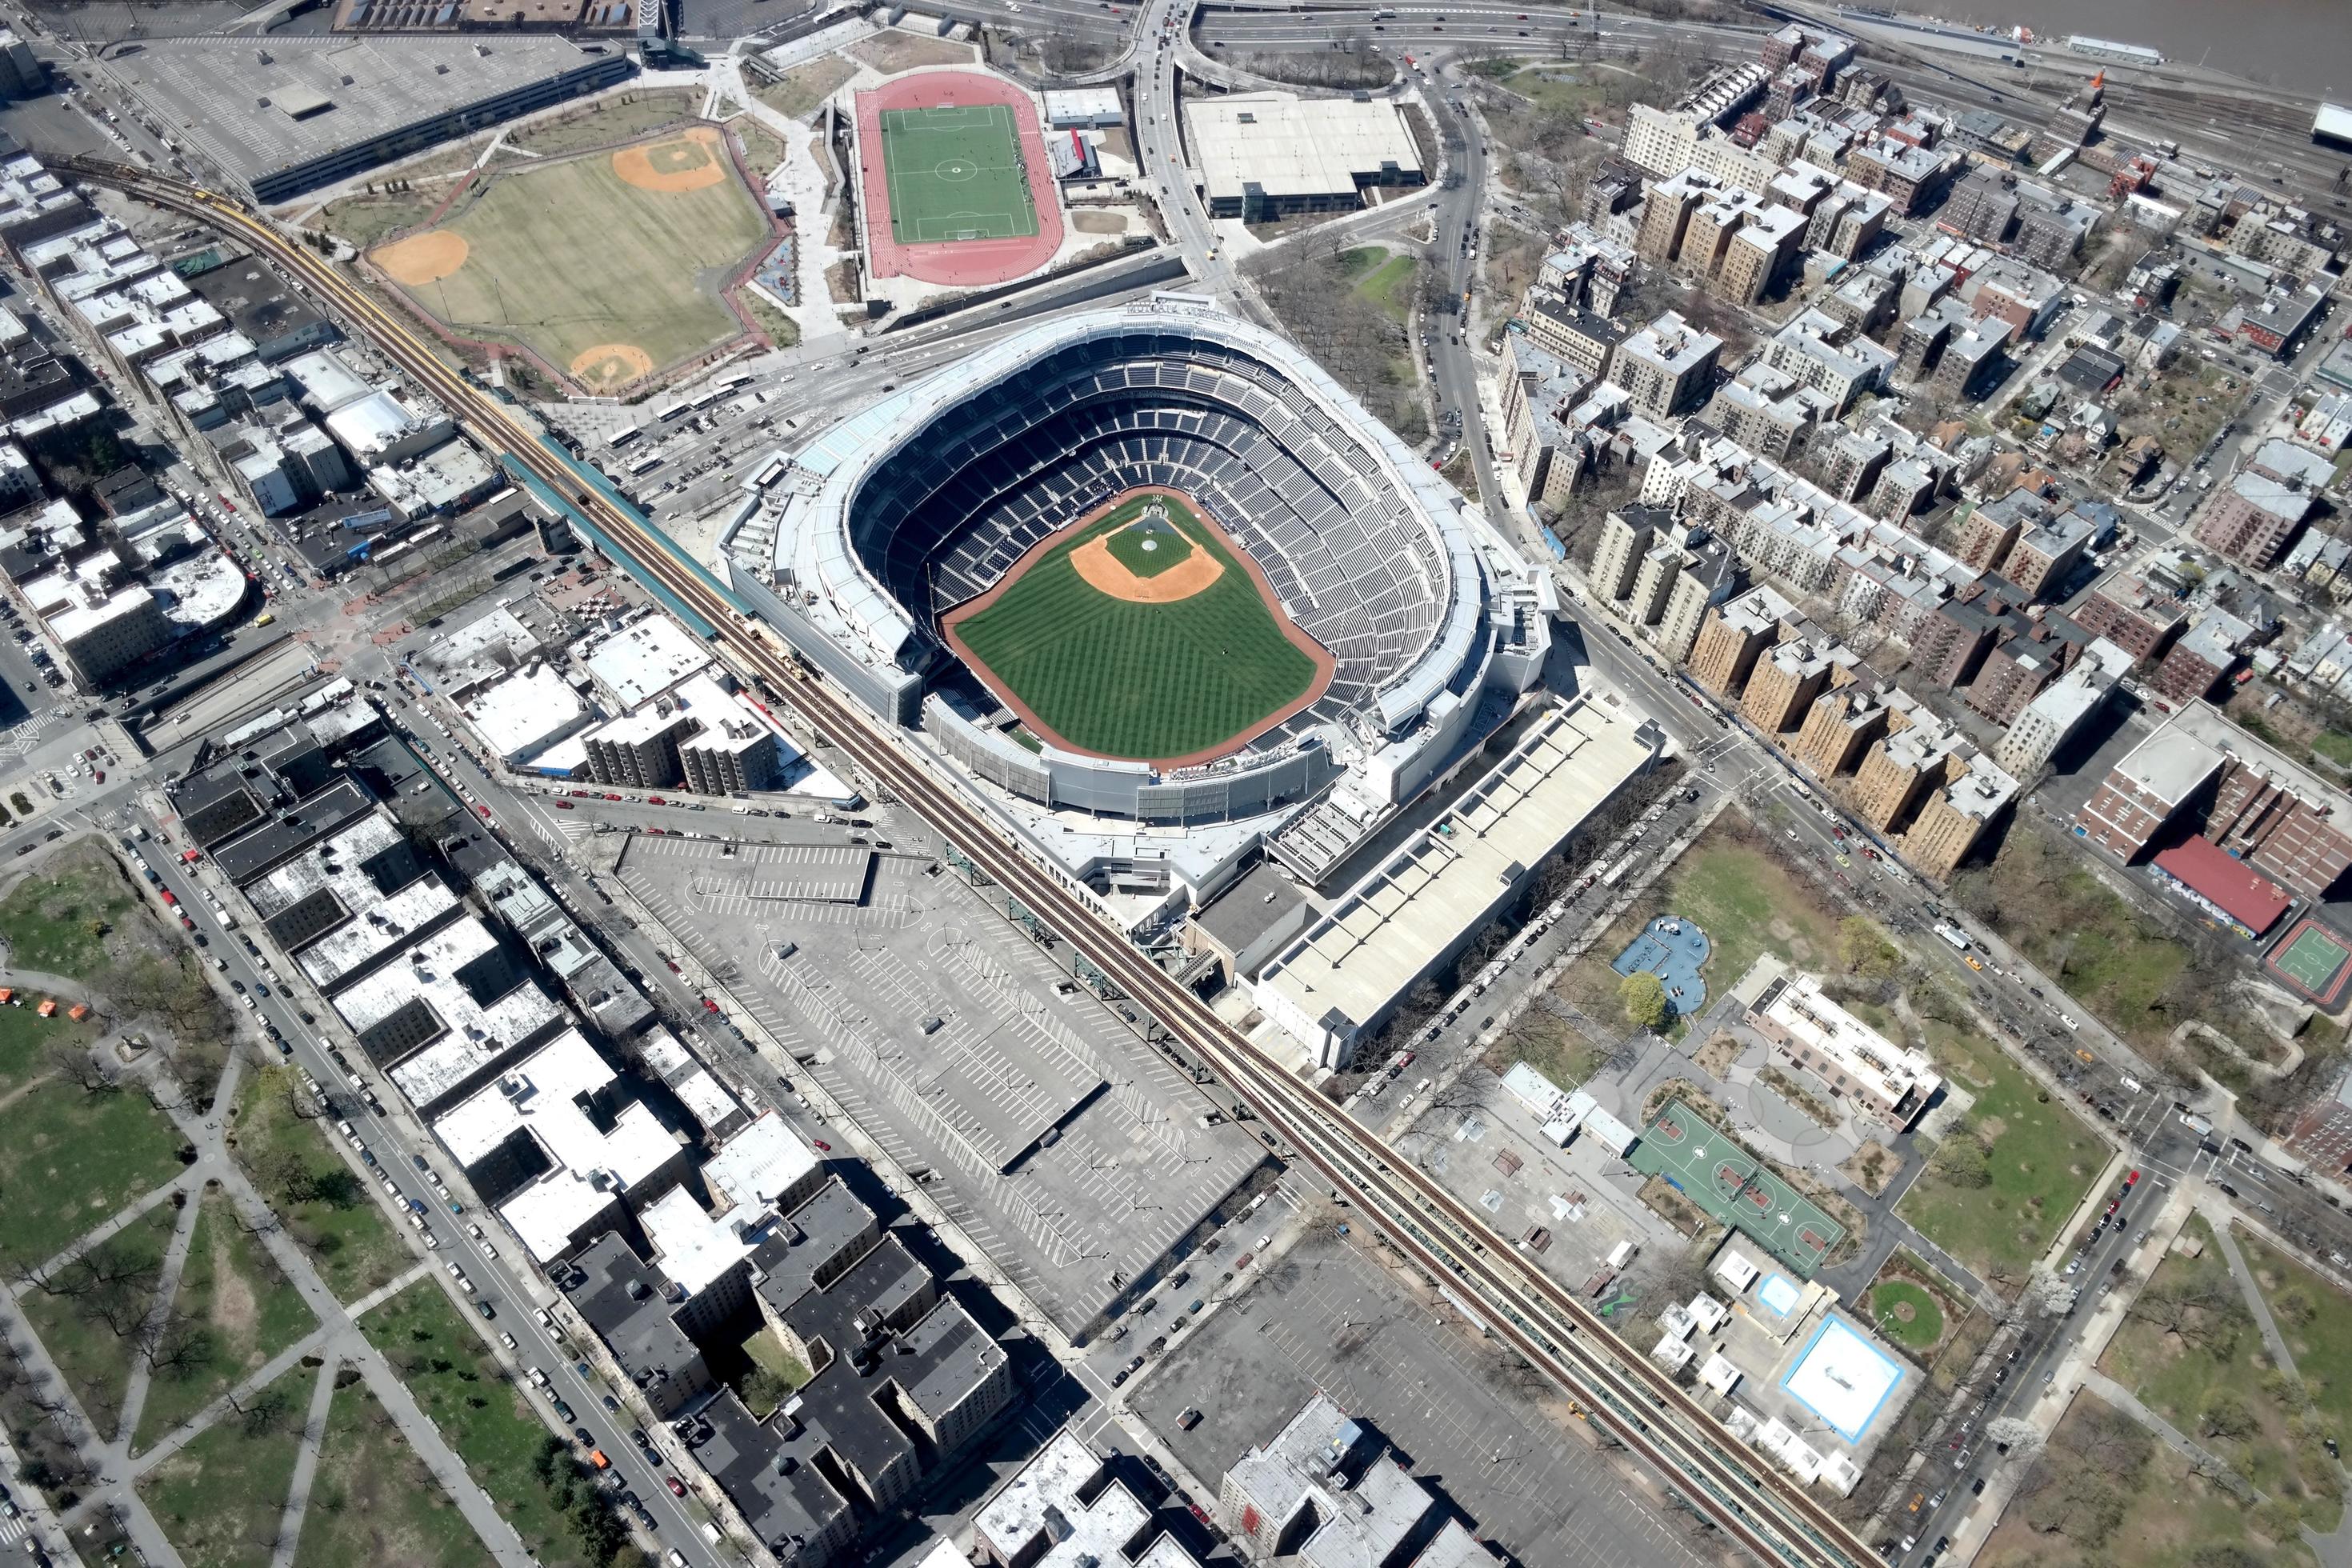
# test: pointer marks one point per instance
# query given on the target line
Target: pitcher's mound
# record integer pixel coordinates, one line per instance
(687, 162)
(608, 366)
(423, 258)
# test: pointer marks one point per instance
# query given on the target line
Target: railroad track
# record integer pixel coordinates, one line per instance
(1622, 1393)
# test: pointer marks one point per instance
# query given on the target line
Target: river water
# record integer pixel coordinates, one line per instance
(2304, 46)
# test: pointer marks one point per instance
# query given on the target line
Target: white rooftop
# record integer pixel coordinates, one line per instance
(544, 1097)
(1289, 146)
(470, 1032)
(523, 715)
(641, 661)
(1843, 1379)
(1888, 1073)
(1038, 1520)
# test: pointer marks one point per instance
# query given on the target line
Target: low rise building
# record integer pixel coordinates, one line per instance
(1813, 1034)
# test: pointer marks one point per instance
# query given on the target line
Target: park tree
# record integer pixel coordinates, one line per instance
(2225, 1414)
(1865, 951)
(1645, 997)
(1960, 1160)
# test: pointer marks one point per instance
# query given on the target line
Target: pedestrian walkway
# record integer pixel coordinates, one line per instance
(337, 1341)
(2204, 1458)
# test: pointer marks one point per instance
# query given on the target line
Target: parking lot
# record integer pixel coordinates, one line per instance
(1323, 1316)
(1062, 1144)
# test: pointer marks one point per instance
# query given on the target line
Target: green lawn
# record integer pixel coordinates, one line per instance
(2177, 1370)
(1383, 280)
(2149, 1510)
(1122, 679)
(2316, 1321)
(56, 919)
(24, 1040)
(462, 1387)
(91, 1327)
(2039, 1160)
(373, 1504)
(328, 1210)
(568, 258)
(1557, 90)
(68, 1158)
(1906, 1314)
(240, 1312)
(2335, 745)
(222, 1498)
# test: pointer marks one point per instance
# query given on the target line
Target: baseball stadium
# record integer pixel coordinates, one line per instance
(1147, 562)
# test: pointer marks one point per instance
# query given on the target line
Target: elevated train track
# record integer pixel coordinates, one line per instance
(1766, 1512)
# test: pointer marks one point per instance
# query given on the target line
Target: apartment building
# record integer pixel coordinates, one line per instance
(1571, 334)
(1908, 176)
(1789, 676)
(2202, 658)
(2047, 553)
(1731, 639)
(1666, 214)
(641, 748)
(2251, 520)
(1840, 729)
(1667, 366)
(1625, 538)
(2137, 617)
(1993, 529)
(1810, 1031)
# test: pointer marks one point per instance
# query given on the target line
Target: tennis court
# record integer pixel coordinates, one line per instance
(955, 173)
(2314, 961)
(1734, 1188)
(1673, 950)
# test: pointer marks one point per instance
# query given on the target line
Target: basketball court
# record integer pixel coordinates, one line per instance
(2314, 962)
(1734, 1188)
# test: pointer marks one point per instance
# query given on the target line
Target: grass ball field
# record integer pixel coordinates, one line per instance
(608, 266)
(1143, 634)
(955, 173)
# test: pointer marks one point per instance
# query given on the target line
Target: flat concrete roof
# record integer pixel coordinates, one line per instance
(1394, 924)
(1289, 146)
(258, 105)
(640, 662)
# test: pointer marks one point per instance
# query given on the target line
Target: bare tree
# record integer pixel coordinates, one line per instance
(83, 1067)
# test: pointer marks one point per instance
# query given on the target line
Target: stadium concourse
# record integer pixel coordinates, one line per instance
(1426, 627)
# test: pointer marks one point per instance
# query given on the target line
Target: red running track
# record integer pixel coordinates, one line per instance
(955, 263)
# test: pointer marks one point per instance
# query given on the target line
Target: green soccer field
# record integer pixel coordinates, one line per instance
(1120, 678)
(955, 173)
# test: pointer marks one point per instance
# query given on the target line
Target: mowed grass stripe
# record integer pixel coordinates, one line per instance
(1139, 680)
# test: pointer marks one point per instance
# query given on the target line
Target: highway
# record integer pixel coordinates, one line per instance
(1760, 1510)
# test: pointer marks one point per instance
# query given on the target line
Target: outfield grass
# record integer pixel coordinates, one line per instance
(1125, 680)
(55, 920)
(2040, 1158)
(332, 1216)
(373, 1504)
(222, 1498)
(2174, 1376)
(240, 1311)
(95, 1359)
(69, 1158)
(955, 173)
(1905, 1314)
(462, 1387)
(565, 258)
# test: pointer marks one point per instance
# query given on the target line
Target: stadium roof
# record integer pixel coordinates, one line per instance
(842, 597)
(2232, 886)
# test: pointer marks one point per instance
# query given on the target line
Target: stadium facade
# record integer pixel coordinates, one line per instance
(924, 499)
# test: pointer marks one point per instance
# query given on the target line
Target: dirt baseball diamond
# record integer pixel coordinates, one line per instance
(1108, 574)
(423, 259)
(687, 163)
(610, 366)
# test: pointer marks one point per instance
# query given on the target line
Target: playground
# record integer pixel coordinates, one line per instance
(1674, 950)
(1734, 1188)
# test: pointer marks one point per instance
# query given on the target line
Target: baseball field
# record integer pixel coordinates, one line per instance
(955, 173)
(1141, 632)
(608, 265)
